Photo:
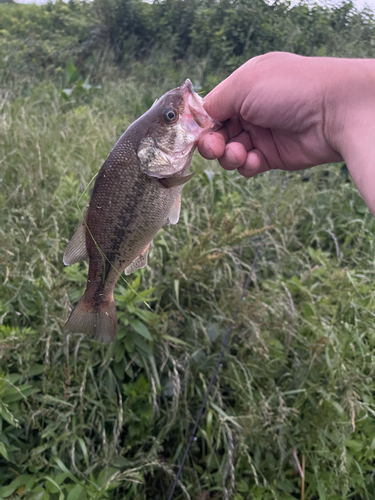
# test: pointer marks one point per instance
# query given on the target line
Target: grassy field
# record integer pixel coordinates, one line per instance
(81, 420)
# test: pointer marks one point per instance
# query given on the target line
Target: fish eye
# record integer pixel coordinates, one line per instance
(169, 115)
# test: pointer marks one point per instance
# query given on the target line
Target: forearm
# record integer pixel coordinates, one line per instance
(359, 154)
(352, 123)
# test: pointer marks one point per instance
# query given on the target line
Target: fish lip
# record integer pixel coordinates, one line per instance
(194, 106)
(187, 85)
(196, 117)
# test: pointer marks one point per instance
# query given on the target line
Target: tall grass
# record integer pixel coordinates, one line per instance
(83, 420)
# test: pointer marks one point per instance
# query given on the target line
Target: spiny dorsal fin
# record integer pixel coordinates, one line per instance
(76, 250)
(169, 182)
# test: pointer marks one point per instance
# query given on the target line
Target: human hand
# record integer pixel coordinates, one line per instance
(291, 112)
(274, 109)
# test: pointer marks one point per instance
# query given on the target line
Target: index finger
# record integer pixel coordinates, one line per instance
(212, 145)
(225, 100)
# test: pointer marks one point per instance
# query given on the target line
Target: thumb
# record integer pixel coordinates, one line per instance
(225, 100)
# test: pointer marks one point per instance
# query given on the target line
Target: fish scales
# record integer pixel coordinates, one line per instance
(137, 191)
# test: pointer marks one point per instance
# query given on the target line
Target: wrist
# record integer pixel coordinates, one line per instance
(349, 117)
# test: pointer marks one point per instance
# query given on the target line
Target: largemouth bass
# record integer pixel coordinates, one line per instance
(137, 191)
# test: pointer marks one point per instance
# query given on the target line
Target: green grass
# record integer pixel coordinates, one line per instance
(83, 420)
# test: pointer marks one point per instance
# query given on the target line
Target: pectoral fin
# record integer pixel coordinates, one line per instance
(76, 250)
(175, 212)
(170, 182)
(138, 262)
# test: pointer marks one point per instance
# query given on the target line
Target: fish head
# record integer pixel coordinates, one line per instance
(182, 118)
(176, 121)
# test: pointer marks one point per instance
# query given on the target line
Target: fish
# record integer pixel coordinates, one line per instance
(137, 192)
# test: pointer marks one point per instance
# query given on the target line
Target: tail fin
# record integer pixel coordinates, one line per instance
(99, 321)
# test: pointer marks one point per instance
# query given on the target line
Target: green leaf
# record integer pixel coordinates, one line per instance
(242, 486)
(36, 369)
(51, 485)
(3, 451)
(119, 352)
(119, 370)
(354, 446)
(84, 451)
(71, 72)
(145, 316)
(64, 469)
(21, 480)
(60, 478)
(141, 328)
(175, 340)
(7, 415)
(143, 346)
(77, 493)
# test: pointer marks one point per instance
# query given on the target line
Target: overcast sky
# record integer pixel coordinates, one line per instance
(360, 4)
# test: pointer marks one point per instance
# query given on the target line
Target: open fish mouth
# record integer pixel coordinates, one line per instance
(194, 108)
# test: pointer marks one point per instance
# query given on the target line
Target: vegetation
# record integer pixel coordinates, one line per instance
(81, 420)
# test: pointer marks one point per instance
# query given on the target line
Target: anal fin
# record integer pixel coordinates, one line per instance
(76, 250)
(138, 262)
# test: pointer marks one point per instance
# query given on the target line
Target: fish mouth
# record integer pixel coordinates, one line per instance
(194, 106)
